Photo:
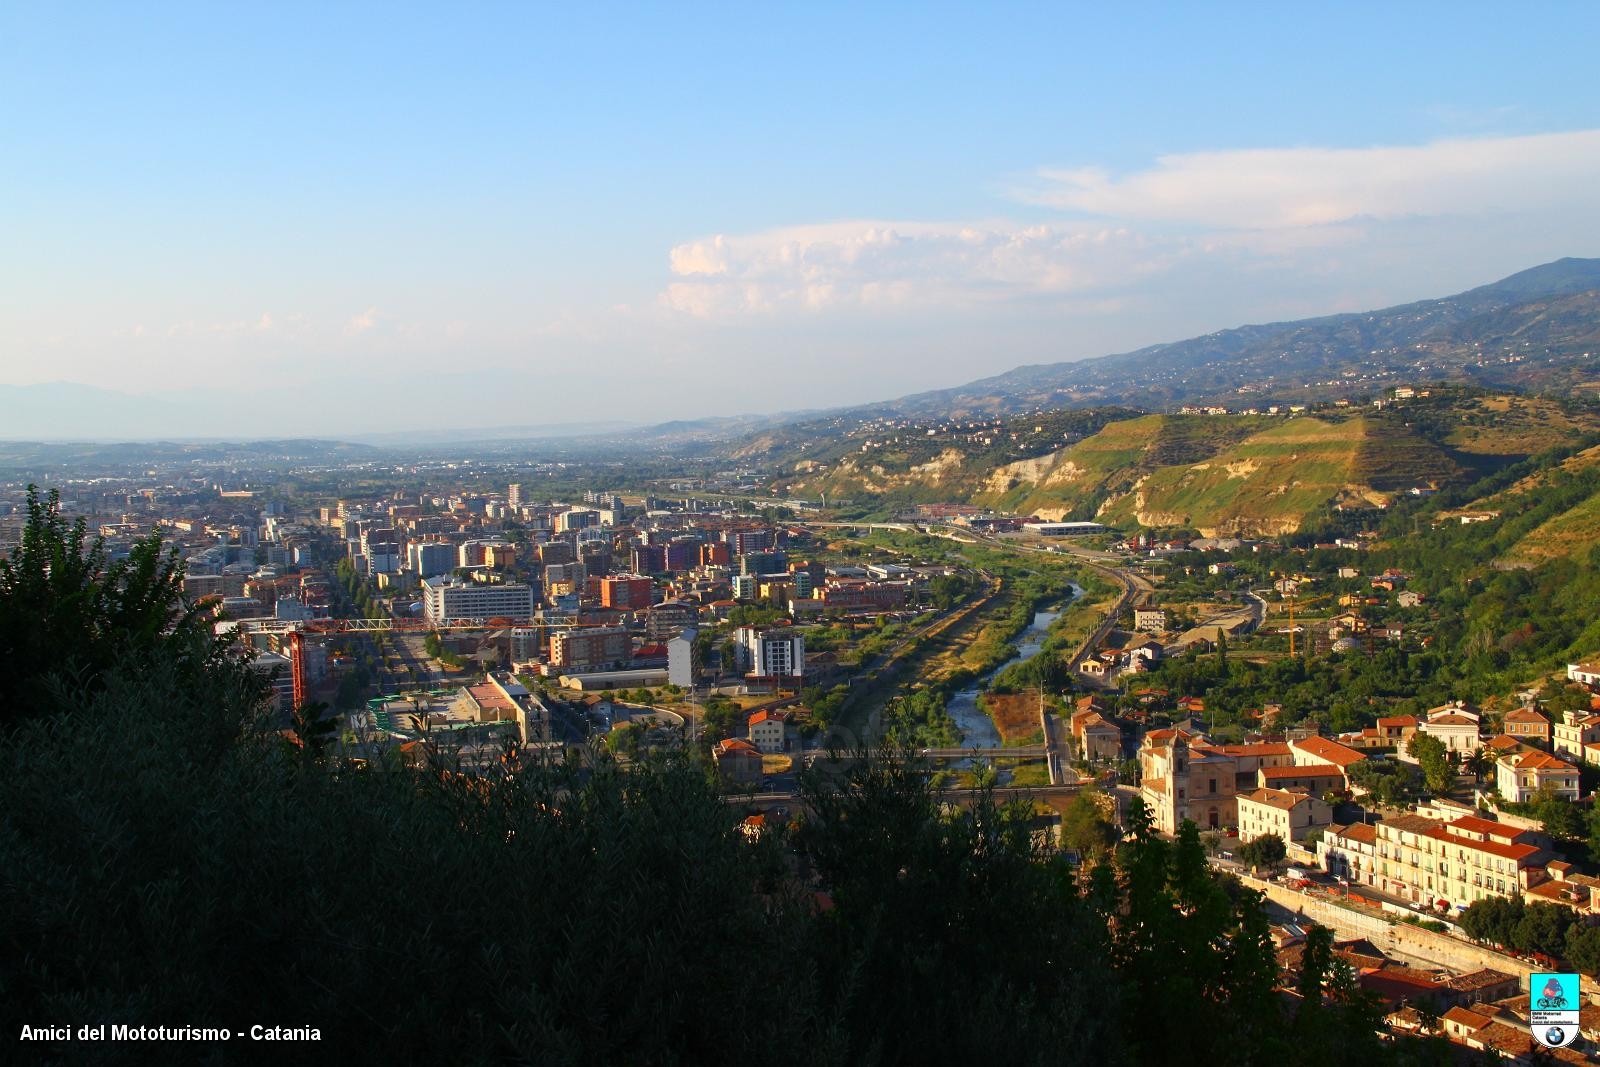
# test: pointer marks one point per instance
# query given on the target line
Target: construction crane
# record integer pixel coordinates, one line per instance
(1292, 599)
(297, 630)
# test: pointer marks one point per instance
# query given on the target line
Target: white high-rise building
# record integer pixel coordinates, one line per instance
(772, 653)
(450, 599)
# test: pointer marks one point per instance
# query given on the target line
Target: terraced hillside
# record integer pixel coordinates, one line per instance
(1221, 474)
(1273, 481)
(1074, 481)
(1552, 514)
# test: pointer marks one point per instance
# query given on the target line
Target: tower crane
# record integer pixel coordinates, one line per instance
(1292, 599)
(297, 630)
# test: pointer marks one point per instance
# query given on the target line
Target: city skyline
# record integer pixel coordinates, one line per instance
(320, 217)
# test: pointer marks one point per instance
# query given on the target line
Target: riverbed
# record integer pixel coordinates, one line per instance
(977, 729)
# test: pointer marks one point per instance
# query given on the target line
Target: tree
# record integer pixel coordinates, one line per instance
(1084, 826)
(1583, 948)
(1262, 851)
(945, 591)
(1390, 782)
(314, 727)
(626, 740)
(1437, 762)
(1494, 920)
(717, 718)
(69, 612)
(1543, 928)
(1592, 827)
(1558, 814)
(1480, 763)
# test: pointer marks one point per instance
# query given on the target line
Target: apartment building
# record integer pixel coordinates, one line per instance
(597, 648)
(1435, 863)
(449, 599)
(1576, 732)
(1289, 815)
(626, 592)
(1520, 776)
(771, 653)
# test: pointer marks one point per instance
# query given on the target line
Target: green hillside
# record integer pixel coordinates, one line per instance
(1274, 480)
(1076, 480)
(1245, 475)
(1549, 515)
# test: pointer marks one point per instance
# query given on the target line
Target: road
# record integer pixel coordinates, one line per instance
(1055, 795)
(1136, 590)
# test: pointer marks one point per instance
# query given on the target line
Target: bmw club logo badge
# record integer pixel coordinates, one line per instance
(1554, 1003)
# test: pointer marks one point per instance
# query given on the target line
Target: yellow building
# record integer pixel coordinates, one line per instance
(1433, 863)
(1289, 815)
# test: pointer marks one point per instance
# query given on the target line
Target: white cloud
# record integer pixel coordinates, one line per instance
(363, 322)
(1293, 187)
(876, 264)
(1281, 209)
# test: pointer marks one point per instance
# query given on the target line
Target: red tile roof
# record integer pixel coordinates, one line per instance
(1263, 748)
(1282, 799)
(1329, 751)
(1465, 1017)
(1541, 761)
(1473, 824)
(1309, 770)
(1493, 848)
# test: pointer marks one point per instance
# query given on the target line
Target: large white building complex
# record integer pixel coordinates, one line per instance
(450, 599)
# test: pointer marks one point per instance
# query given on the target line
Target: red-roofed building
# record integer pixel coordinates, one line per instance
(1097, 737)
(1527, 724)
(1291, 816)
(738, 761)
(1184, 777)
(1395, 984)
(769, 730)
(1522, 775)
(1396, 730)
(1249, 759)
(1320, 750)
(1308, 778)
(1435, 864)
(1455, 725)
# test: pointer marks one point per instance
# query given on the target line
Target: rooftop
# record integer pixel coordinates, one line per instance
(1283, 799)
(1329, 751)
(1310, 770)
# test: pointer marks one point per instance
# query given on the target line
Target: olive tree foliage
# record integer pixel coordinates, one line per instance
(68, 611)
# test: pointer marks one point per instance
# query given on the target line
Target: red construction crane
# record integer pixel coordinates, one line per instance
(297, 629)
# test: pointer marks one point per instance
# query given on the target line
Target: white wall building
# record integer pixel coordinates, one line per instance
(448, 599)
(771, 653)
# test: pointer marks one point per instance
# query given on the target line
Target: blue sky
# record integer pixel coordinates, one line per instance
(700, 209)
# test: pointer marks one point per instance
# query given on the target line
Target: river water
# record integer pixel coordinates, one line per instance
(977, 729)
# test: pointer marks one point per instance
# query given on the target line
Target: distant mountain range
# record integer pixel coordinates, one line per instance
(1537, 328)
